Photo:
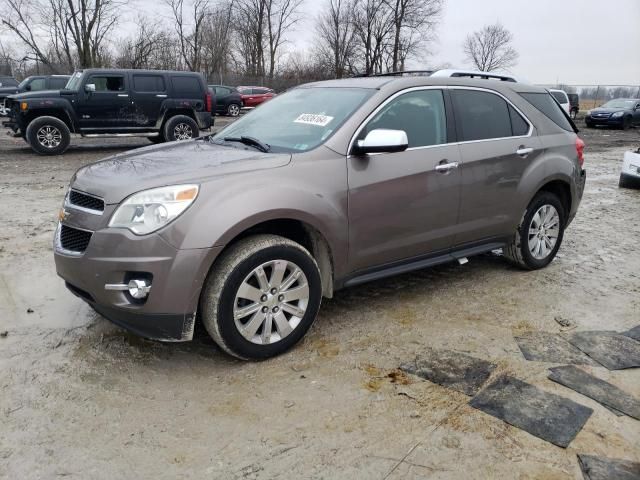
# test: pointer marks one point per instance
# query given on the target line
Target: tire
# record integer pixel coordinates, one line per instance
(180, 127)
(589, 124)
(233, 110)
(48, 136)
(236, 268)
(627, 181)
(626, 123)
(523, 253)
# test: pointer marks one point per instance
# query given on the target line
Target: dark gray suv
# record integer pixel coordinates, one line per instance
(329, 185)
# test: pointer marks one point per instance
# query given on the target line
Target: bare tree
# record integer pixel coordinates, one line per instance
(336, 36)
(282, 15)
(137, 51)
(217, 33)
(190, 28)
(373, 24)
(490, 48)
(249, 19)
(412, 22)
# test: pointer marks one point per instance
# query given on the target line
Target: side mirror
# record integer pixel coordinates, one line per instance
(27, 87)
(90, 87)
(383, 141)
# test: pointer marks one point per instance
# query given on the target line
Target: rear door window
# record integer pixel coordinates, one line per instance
(420, 114)
(148, 83)
(186, 86)
(545, 103)
(481, 115)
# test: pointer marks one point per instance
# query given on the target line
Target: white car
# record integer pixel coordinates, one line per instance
(562, 98)
(630, 175)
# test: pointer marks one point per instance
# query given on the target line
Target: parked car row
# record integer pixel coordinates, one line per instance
(230, 100)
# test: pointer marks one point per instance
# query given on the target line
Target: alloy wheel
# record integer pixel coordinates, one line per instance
(49, 136)
(271, 302)
(544, 230)
(182, 131)
(234, 110)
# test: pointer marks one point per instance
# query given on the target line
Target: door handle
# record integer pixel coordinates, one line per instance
(445, 167)
(524, 151)
(161, 95)
(123, 94)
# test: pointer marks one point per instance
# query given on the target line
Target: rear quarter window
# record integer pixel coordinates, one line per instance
(560, 97)
(186, 86)
(545, 103)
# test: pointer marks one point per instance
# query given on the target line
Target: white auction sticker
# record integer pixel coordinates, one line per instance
(314, 119)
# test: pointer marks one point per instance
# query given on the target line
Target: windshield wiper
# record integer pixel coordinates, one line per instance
(251, 141)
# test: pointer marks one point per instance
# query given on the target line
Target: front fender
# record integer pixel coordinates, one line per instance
(229, 206)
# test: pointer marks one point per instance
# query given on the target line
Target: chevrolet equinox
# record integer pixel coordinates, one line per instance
(329, 185)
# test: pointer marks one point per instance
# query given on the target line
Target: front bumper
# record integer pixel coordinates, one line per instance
(114, 256)
(611, 121)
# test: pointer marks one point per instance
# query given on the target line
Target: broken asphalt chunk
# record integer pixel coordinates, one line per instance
(552, 348)
(602, 468)
(451, 369)
(547, 416)
(610, 349)
(602, 392)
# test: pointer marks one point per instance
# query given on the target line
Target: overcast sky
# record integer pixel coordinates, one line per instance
(570, 41)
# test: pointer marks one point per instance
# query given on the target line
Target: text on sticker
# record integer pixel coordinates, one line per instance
(314, 119)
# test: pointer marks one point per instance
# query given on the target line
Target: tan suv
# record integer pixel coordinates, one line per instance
(329, 185)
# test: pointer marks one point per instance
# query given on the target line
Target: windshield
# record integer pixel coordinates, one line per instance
(620, 103)
(298, 120)
(74, 81)
(24, 82)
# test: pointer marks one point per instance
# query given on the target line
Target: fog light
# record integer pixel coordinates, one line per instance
(139, 289)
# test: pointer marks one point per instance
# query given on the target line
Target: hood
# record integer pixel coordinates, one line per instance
(609, 110)
(195, 161)
(38, 94)
(4, 91)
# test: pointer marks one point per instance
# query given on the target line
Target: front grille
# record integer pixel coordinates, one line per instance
(73, 239)
(86, 201)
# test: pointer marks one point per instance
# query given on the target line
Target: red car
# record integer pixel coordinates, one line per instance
(254, 96)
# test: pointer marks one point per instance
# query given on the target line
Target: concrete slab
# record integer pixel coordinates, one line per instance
(552, 348)
(614, 351)
(601, 468)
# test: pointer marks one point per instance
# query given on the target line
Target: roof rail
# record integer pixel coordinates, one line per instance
(400, 73)
(449, 72)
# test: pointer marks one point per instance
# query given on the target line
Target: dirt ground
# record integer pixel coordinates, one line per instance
(81, 398)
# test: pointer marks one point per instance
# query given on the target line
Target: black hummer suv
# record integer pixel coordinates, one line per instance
(161, 105)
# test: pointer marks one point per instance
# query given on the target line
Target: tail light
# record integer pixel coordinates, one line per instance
(208, 101)
(580, 150)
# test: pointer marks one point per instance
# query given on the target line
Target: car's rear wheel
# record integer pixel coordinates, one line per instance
(180, 127)
(233, 110)
(540, 233)
(261, 297)
(48, 136)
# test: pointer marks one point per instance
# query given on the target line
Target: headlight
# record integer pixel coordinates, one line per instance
(147, 211)
(617, 114)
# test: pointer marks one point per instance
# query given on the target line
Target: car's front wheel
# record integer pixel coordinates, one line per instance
(261, 297)
(48, 135)
(539, 235)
